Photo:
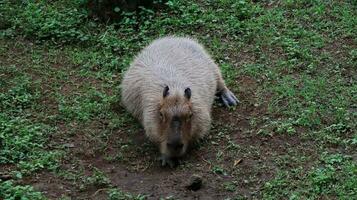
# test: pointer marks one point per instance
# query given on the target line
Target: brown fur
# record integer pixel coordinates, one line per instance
(176, 106)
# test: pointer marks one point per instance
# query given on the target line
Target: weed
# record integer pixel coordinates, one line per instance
(45, 21)
(230, 186)
(335, 177)
(98, 178)
(229, 73)
(10, 191)
(85, 107)
(115, 194)
(219, 170)
(18, 97)
(23, 143)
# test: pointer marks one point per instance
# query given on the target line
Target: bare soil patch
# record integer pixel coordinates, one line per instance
(137, 171)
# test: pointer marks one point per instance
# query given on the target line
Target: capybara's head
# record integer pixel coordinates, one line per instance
(175, 115)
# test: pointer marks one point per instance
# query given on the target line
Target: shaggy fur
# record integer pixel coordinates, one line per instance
(178, 63)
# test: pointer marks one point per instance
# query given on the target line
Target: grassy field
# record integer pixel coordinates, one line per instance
(292, 64)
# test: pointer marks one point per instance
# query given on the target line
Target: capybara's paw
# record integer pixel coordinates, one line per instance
(229, 99)
(171, 162)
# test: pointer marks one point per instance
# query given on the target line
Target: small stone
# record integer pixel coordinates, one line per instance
(195, 182)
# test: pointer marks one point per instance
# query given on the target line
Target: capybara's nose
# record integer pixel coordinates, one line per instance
(175, 145)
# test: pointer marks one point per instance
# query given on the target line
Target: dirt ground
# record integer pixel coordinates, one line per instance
(141, 173)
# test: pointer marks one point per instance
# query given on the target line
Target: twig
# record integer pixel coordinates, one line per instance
(209, 164)
(96, 192)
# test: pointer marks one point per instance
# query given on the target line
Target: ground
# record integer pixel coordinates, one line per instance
(292, 64)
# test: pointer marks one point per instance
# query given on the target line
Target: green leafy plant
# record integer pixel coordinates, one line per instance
(10, 191)
(116, 194)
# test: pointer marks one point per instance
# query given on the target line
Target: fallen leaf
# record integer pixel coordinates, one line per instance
(236, 162)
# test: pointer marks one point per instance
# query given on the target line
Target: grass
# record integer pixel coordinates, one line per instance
(291, 63)
(335, 175)
(11, 191)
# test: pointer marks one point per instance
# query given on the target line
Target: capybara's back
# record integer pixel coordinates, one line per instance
(170, 88)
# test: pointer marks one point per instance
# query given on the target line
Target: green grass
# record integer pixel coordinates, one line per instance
(115, 194)
(11, 191)
(334, 176)
(22, 139)
(292, 64)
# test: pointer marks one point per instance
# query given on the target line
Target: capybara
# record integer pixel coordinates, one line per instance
(170, 88)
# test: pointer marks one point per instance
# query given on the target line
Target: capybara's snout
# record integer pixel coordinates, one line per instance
(175, 146)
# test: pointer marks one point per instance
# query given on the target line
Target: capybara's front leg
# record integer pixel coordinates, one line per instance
(165, 160)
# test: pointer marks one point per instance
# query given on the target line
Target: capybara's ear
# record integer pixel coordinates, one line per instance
(166, 91)
(188, 93)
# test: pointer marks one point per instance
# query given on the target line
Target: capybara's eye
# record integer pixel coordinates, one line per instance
(161, 116)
